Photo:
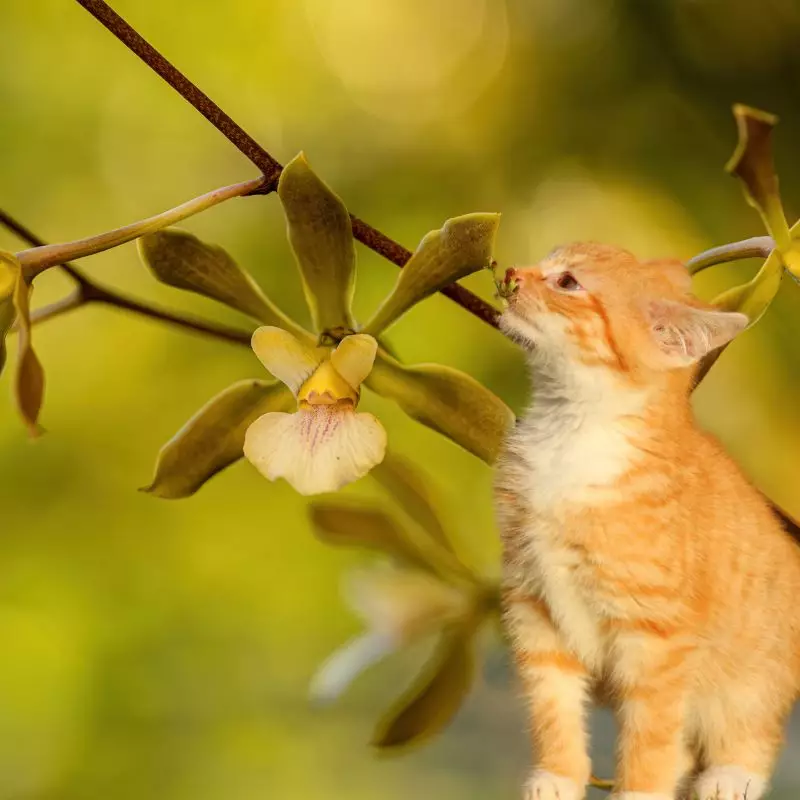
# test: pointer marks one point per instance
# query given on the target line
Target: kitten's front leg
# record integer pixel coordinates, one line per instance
(650, 671)
(555, 686)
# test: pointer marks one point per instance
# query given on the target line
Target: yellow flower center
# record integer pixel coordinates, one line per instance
(326, 387)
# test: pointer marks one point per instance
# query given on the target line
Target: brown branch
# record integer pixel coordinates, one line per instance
(217, 330)
(246, 144)
(211, 111)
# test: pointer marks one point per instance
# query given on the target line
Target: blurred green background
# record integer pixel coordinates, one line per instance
(155, 649)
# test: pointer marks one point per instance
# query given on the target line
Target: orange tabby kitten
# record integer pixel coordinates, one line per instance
(640, 564)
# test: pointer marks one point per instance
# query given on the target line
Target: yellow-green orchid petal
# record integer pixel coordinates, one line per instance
(462, 246)
(753, 164)
(754, 297)
(29, 377)
(214, 437)
(751, 299)
(9, 269)
(290, 360)
(179, 259)
(320, 448)
(343, 524)
(449, 401)
(8, 279)
(321, 236)
(354, 358)
(435, 697)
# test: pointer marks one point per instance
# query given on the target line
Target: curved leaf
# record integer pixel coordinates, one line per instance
(449, 401)
(753, 164)
(29, 377)
(8, 280)
(435, 698)
(7, 316)
(180, 259)
(350, 525)
(462, 246)
(214, 437)
(321, 235)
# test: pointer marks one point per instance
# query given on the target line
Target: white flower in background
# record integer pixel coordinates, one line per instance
(325, 444)
(399, 606)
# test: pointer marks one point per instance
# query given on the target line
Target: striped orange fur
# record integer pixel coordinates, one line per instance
(640, 565)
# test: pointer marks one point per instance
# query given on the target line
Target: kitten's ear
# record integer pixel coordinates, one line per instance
(684, 334)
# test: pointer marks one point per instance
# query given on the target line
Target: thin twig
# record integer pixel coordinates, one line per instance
(69, 302)
(246, 144)
(226, 333)
(87, 291)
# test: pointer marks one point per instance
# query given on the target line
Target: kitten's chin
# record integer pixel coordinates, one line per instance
(521, 331)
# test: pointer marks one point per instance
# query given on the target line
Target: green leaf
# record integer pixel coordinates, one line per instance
(321, 235)
(180, 259)
(435, 698)
(400, 478)
(214, 437)
(462, 246)
(355, 525)
(752, 162)
(449, 401)
(752, 299)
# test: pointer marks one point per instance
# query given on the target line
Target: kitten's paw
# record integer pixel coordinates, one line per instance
(545, 786)
(728, 783)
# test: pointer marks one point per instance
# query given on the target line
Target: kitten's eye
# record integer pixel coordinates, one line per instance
(567, 282)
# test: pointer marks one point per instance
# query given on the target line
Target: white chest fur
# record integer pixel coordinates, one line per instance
(575, 440)
(569, 451)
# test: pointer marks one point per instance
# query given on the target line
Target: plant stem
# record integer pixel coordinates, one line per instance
(363, 232)
(87, 291)
(755, 247)
(37, 259)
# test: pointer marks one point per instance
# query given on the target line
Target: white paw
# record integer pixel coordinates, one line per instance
(545, 786)
(728, 783)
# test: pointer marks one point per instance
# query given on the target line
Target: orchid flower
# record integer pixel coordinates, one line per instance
(399, 607)
(325, 444)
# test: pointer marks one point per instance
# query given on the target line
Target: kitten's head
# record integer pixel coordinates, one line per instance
(596, 305)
